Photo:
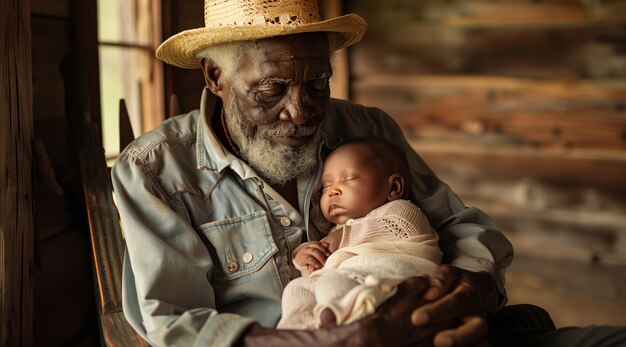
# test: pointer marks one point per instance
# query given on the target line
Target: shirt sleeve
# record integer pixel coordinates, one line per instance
(468, 237)
(161, 248)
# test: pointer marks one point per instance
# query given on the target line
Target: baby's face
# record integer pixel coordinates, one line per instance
(352, 184)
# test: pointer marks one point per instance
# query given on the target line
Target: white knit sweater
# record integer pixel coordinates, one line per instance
(377, 251)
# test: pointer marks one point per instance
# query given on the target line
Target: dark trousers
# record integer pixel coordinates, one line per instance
(529, 325)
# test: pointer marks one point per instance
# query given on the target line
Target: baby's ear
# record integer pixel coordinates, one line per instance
(396, 187)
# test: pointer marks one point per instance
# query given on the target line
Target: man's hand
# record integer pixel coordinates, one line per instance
(457, 296)
(391, 324)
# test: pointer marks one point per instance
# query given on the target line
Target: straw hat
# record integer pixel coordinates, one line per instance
(242, 20)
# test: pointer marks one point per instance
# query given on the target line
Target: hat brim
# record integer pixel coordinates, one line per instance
(182, 49)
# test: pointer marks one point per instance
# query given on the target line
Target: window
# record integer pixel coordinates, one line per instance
(128, 34)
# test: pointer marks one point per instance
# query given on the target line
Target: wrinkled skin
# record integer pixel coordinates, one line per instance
(285, 80)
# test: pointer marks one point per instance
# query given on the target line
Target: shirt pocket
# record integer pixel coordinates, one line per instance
(239, 246)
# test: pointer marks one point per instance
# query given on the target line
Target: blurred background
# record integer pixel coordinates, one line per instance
(519, 105)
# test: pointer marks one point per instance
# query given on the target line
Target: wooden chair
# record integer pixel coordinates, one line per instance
(107, 238)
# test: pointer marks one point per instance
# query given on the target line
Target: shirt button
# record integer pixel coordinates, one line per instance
(284, 221)
(247, 257)
(231, 266)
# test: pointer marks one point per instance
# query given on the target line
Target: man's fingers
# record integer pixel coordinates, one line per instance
(440, 283)
(473, 331)
(451, 306)
(407, 298)
(414, 285)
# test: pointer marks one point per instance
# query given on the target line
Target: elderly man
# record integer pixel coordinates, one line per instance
(213, 202)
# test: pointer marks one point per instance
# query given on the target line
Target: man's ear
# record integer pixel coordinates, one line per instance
(212, 75)
(396, 187)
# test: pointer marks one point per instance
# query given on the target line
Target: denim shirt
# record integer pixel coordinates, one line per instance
(209, 242)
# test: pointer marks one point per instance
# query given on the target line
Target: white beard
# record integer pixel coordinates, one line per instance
(276, 163)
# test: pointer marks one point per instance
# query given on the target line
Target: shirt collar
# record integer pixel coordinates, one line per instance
(210, 153)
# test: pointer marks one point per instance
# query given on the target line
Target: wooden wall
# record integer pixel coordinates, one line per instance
(520, 106)
(64, 301)
(186, 84)
(16, 195)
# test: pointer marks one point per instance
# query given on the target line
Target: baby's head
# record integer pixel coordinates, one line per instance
(360, 176)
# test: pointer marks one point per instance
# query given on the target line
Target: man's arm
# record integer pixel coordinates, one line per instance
(167, 295)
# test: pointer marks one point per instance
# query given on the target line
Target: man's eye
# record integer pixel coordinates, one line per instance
(318, 87)
(271, 93)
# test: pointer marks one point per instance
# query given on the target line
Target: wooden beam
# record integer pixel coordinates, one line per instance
(340, 83)
(16, 204)
(85, 44)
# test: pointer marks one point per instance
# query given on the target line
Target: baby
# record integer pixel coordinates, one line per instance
(379, 239)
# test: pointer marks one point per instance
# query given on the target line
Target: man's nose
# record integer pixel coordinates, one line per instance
(294, 109)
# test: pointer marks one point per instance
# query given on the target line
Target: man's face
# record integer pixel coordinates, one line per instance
(352, 184)
(275, 101)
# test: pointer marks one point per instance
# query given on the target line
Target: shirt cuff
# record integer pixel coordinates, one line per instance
(482, 265)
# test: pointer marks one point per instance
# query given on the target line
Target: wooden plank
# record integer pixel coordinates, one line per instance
(534, 112)
(571, 199)
(401, 40)
(51, 42)
(538, 52)
(484, 13)
(54, 8)
(125, 128)
(185, 83)
(340, 83)
(16, 204)
(105, 229)
(85, 44)
(506, 161)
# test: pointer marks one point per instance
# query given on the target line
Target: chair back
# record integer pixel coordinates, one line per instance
(107, 238)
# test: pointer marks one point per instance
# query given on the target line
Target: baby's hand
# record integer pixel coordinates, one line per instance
(312, 255)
